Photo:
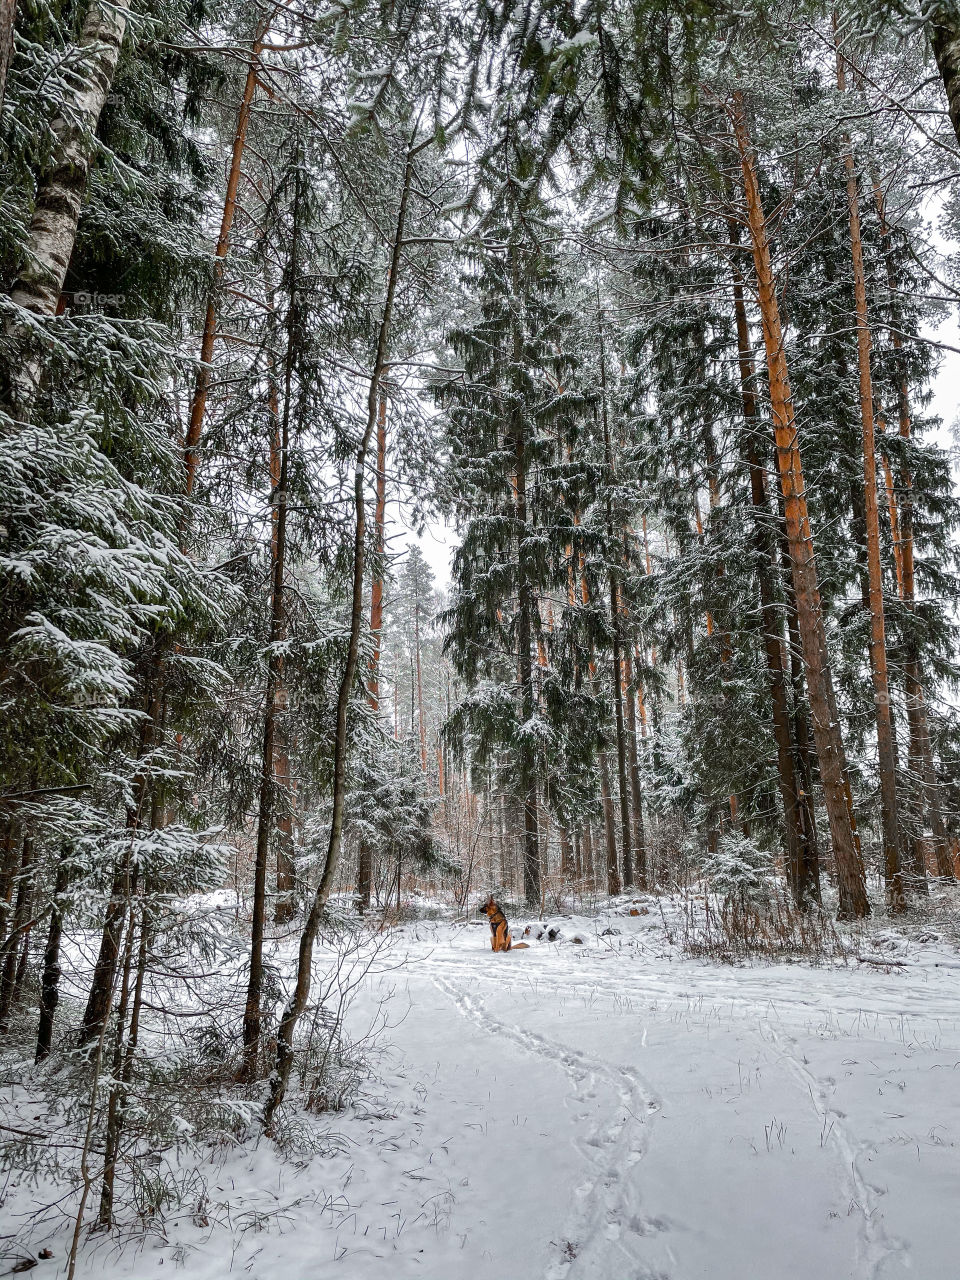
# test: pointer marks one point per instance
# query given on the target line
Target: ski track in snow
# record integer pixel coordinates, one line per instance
(609, 1221)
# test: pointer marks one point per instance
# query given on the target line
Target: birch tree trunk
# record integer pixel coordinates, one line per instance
(61, 187)
(826, 727)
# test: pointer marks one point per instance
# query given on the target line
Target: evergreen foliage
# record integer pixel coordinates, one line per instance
(285, 290)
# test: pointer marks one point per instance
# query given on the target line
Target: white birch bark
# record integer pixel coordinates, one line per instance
(60, 189)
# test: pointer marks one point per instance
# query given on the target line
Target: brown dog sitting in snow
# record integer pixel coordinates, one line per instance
(501, 940)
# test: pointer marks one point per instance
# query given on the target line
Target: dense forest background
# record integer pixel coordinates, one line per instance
(639, 298)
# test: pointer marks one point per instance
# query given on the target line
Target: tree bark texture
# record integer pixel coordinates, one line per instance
(8, 19)
(609, 828)
(18, 932)
(826, 727)
(198, 403)
(50, 978)
(886, 740)
(616, 669)
(61, 187)
(944, 27)
(802, 863)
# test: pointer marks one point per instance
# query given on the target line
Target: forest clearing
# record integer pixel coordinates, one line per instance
(600, 1105)
(480, 638)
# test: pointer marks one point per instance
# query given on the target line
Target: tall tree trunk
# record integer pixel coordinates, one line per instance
(10, 852)
(301, 990)
(105, 968)
(589, 867)
(364, 875)
(609, 828)
(502, 836)
(50, 978)
(616, 669)
(421, 723)
(61, 186)
(364, 852)
(18, 931)
(198, 403)
(8, 19)
(943, 22)
(566, 854)
(886, 740)
(639, 835)
(380, 542)
(526, 607)
(799, 720)
(917, 717)
(826, 728)
(528, 762)
(802, 864)
(626, 833)
(124, 1056)
(100, 998)
(253, 1014)
(111, 1140)
(285, 904)
(22, 964)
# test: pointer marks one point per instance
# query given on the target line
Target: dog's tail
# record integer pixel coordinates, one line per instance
(519, 946)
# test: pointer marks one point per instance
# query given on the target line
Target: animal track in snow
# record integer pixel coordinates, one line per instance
(608, 1227)
(875, 1246)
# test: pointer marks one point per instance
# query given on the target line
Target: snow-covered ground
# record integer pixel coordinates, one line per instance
(608, 1108)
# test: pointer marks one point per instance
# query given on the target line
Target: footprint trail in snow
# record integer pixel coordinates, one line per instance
(608, 1225)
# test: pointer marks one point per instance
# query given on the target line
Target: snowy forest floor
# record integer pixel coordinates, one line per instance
(605, 1108)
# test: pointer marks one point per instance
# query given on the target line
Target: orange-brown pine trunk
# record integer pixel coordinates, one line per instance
(886, 741)
(826, 727)
(202, 386)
